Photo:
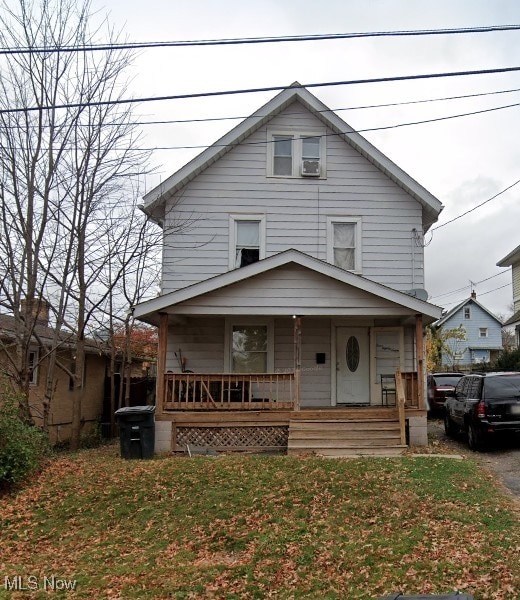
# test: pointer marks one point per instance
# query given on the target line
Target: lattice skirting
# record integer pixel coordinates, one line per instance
(232, 438)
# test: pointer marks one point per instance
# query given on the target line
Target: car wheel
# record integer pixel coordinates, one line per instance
(449, 426)
(475, 438)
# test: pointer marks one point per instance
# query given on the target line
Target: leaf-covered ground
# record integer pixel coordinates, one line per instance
(258, 527)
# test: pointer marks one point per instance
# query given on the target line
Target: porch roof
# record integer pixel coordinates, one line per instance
(288, 283)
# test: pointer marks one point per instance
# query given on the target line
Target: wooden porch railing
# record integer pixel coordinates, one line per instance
(410, 388)
(407, 396)
(228, 391)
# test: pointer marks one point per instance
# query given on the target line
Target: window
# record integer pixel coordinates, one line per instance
(246, 240)
(344, 243)
(249, 349)
(467, 312)
(483, 332)
(282, 155)
(287, 151)
(388, 352)
(33, 367)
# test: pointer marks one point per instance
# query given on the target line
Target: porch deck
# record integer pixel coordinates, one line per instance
(259, 412)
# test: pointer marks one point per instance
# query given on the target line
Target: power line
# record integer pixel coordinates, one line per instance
(257, 40)
(277, 88)
(481, 294)
(477, 206)
(366, 130)
(323, 135)
(347, 108)
(466, 286)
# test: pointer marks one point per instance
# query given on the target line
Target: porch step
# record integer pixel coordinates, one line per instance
(345, 437)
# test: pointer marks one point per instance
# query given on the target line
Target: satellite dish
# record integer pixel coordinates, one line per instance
(418, 293)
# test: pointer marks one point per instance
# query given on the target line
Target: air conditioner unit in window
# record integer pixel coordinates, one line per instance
(311, 167)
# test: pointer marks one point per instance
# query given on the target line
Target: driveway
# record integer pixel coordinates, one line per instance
(502, 459)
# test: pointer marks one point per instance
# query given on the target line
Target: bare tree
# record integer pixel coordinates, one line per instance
(68, 151)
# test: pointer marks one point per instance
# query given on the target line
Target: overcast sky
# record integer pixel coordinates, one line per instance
(462, 161)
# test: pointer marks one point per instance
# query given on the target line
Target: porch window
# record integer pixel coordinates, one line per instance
(388, 353)
(249, 349)
(344, 243)
(247, 236)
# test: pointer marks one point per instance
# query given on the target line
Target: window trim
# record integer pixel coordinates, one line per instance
(297, 151)
(35, 364)
(233, 219)
(231, 322)
(485, 330)
(358, 222)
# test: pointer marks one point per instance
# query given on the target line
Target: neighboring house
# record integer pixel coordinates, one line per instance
(60, 413)
(294, 289)
(483, 335)
(513, 260)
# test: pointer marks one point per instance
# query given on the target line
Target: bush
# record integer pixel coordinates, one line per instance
(23, 447)
(508, 360)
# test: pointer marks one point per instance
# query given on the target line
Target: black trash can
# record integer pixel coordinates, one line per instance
(452, 596)
(136, 431)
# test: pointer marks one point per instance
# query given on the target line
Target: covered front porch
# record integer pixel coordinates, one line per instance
(287, 343)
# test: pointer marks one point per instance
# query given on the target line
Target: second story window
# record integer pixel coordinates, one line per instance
(282, 155)
(344, 242)
(296, 154)
(246, 240)
(467, 312)
(483, 332)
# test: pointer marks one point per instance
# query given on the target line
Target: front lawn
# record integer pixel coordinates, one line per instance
(259, 527)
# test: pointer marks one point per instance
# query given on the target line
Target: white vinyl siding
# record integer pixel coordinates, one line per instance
(295, 210)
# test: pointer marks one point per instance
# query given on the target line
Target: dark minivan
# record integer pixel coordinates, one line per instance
(484, 406)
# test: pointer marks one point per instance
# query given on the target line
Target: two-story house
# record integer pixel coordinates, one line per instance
(292, 288)
(513, 260)
(482, 340)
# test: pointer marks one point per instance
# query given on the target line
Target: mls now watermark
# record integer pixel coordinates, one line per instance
(20, 583)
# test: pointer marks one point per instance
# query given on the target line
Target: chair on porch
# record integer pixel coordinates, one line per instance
(388, 390)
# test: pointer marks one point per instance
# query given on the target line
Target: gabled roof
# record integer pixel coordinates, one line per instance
(514, 320)
(154, 199)
(148, 310)
(48, 336)
(513, 256)
(450, 313)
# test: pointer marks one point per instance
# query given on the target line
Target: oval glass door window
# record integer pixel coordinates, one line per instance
(352, 352)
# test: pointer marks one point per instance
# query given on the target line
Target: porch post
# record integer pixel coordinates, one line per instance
(297, 360)
(161, 362)
(419, 344)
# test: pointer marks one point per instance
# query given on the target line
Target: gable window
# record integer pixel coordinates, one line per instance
(344, 242)
(467, 312)
(246, 240)
(483, 332)
(282, 155)
(295, 154)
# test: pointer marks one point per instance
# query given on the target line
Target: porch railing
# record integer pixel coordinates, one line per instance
(228, 391)
(410, 388)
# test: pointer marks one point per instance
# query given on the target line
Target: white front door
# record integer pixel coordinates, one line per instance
(352, 365)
